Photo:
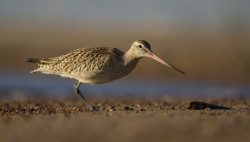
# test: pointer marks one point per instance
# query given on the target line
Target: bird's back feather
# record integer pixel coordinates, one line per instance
(89, 59)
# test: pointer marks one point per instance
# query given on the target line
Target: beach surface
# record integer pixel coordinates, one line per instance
(131, 119)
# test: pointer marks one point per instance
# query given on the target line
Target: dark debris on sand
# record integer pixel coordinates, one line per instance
(201, 105)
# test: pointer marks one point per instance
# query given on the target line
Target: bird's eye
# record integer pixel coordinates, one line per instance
(140, 46)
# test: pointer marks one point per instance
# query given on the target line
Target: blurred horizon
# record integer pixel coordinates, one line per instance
(207, 39)
(139, 13)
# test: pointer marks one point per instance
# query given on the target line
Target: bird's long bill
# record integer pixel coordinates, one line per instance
(153, 56)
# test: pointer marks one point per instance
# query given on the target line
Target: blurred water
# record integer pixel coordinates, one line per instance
(21, 84)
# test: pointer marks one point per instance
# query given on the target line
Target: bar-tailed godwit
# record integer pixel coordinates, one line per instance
(97, 65)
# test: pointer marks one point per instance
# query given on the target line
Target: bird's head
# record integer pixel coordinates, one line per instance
(142, 48)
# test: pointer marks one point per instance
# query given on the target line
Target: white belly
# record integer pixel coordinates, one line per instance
(99, 77)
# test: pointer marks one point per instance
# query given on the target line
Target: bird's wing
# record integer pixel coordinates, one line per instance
(87, 59)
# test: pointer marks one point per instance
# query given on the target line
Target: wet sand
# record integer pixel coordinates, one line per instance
(124, 119)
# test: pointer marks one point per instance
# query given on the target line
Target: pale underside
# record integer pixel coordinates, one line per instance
(92, 65)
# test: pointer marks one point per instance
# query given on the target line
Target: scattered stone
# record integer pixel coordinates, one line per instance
(126, 108)
(142, 109)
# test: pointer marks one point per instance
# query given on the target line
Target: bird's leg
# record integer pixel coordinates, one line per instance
(78, 92)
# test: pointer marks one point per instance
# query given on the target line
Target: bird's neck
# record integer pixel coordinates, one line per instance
(130, 59)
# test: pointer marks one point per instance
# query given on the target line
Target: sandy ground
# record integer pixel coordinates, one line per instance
(124, 119)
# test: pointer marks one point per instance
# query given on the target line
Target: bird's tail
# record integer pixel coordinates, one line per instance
(33, 60)
(43, 63)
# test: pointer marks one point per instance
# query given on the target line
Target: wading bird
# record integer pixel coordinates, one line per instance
(97, 65)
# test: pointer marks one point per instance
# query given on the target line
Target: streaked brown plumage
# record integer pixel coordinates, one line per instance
(96, 65)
